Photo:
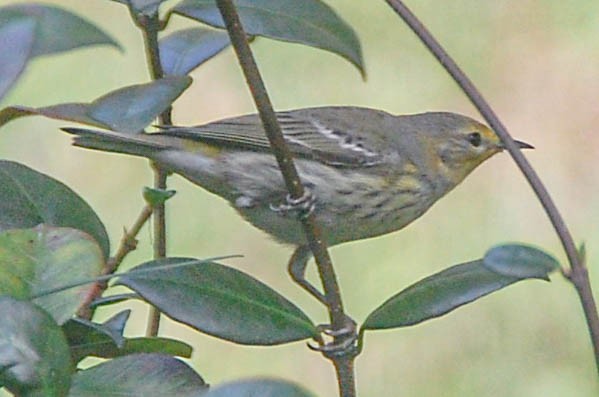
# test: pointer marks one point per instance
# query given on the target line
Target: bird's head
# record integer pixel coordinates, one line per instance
(458, 144)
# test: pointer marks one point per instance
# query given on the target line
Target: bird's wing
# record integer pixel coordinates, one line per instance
(338, 136)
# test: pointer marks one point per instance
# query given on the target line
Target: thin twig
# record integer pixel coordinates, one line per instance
(292, 180)
(128, 243)
(129, 240)
(150, 25)
(578, 271)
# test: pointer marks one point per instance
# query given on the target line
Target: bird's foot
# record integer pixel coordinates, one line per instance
(344, 340)
(302, 206)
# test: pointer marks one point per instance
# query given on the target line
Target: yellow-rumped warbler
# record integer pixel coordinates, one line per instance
(369, 172)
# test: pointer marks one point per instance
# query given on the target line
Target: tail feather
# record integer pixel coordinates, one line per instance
(144, 145)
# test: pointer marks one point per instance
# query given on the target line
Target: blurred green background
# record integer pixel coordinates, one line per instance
(536, 62)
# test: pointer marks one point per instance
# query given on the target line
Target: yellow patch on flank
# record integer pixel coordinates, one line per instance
(408, 182)
(407, 179)
(201, 147)
(410, 168)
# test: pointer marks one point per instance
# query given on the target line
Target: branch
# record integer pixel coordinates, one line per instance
(578, 273)
(128, 243)
(150, 25)
(293, 183)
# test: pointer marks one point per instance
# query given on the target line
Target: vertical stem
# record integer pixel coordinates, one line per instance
(578, 273)
(150, 26)
(343, 362)
(344, 368)
(159, 229)
(580, 279)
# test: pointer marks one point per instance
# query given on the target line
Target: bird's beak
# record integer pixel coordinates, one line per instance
(524, 145)
(521, 145)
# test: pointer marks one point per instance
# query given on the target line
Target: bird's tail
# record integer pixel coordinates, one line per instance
(145, 145)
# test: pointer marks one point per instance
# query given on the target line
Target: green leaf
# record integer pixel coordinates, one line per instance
(185, 50)
(133, 108)
(128, 109)
(106, 340)
(81, 332)
(76, 112)
(156, 197)
(259, 387)
(220, 301)
(147, 375)
(115, 326)
(57, 30)
(42, 258)
(172, 347)
(16, 38)
(34, 356)
(112, 299)
(28, 198)
(309, 22)
(522, 261)
(437, 295)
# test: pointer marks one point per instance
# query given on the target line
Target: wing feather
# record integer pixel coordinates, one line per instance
(339, 136)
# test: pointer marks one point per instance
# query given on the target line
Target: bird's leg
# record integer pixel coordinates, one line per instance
(343, 338)
(297, 269)
(302, 206)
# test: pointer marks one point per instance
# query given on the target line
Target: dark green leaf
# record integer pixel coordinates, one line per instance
(106, 340)
(28, 198)
(112, 299)
(34, 356)
(128, 109)
(116, 326)
(16, 38)
(43, 258)
(132, 108)
(309, 22)
(437, 295)
(259, 388)
(86, 338)
(79, 330)
(76, 112)
(57, 30)
(220, 301)
(517, 260)
(147, 375)
(185, 50)
(171, 347)
(156, 197)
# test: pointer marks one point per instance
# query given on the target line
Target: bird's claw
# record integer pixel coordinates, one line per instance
(348, 329)
(344, 339)
(303, 205)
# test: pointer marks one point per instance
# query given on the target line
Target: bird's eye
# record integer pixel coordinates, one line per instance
(475, 139)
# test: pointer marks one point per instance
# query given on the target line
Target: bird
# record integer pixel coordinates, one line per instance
(366, 172)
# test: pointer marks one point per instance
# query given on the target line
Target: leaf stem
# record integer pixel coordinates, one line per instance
(578, 271)
(294, 186)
